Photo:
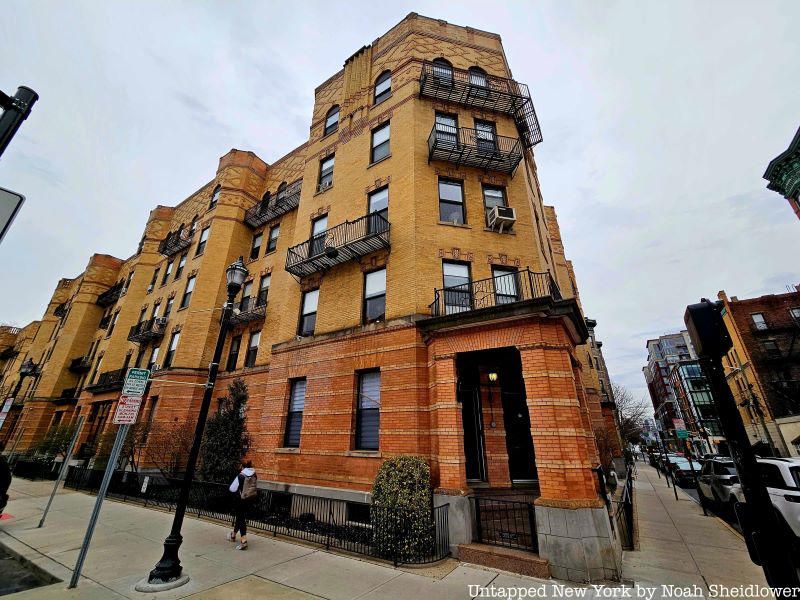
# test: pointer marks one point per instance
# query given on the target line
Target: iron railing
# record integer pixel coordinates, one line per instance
(151, 329)
(250, 309)
(509, 523)
(274, 206)
(175, 241)
(622, 513)
(474, 148)
(495, 291)
(104, 322)
(69, 393)
(111, 295)
(339, 244)
(108, 381)
(31, 467)
(8, 353)
(488, 92)
(391, 534)
(80, 364)
(60, 310)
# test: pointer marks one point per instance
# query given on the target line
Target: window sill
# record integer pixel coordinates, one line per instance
(382, 100)
(327, 135)
(268, 252)
(365, 453)
(323, 190)
(287, 450)
(182, 308)
(380, 160)
(199, 254)
(507, 232)
(451, 224)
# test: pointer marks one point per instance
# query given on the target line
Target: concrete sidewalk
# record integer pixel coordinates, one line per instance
(127, 543)
(680, 546)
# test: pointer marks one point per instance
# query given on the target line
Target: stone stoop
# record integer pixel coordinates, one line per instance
(506, 559)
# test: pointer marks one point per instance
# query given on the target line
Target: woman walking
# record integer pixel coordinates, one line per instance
(245, 486)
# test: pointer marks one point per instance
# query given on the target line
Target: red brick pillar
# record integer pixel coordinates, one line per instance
(559, 426)
(446, 423)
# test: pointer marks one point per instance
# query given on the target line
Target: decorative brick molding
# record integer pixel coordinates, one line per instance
(379, 183)
(503, 259)
(321, 211)
(457, 254)
(373, 261)
(266, 271)
(311, 282)
(171, 295)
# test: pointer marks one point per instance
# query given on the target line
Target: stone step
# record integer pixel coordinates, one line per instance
(507, 559)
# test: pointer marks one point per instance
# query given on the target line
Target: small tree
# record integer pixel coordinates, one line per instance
(56, 441)
(631, 413)
(167, 446)
(402, 502)
(225, 440)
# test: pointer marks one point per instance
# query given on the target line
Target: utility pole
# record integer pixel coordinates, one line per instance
(16, 109)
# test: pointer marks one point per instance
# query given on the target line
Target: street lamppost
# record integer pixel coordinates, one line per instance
(168, 570)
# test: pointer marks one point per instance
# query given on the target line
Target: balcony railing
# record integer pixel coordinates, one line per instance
(80, 364)
(474, 148)
(494, 292)
(61, 310)
(108, 381)
(275, 206)
(175, 242)
(69, 394)
(249, 309)
(111, 295)
(487, 92)
(104, 322)
(148, 330)
(8, 353)
(340, 244)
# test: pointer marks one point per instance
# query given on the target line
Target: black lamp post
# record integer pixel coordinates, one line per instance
(26, 369)
(168, 570)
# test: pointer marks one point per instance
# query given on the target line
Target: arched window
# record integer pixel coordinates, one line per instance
(443, 71)
(214, 197)
(332, 120)
(477, 77)
(383, 87)
(281, 191)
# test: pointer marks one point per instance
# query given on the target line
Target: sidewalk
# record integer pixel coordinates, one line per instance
(679, 546)
(128, 541)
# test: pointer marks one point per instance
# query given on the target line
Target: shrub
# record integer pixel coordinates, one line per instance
(225, 441)
(401, 511)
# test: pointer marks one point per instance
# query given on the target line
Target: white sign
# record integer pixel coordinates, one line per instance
(6, 409)
(135, 382)
(10, 203)
(127, 410)
(144, 483)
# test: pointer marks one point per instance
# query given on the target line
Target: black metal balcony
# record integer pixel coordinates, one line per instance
(111, 295)
(275, 206)
(494, 292)
(69, 394)
(61, 310)
(8, 353)
(81, 364)
(486, 92)
(151, 329)
(175, 242)
(104, 322)
(249, 309)
(345, 242)
(108, 381)
(474, 148)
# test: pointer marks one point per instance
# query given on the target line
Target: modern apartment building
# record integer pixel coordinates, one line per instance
(763, 367)
(663, 353)
(783, 174)
(696, 401)
(408, 294)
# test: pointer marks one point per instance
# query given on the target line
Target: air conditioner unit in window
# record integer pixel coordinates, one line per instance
(325, 185)
(502, 218)
(160, 321)
(155, 367)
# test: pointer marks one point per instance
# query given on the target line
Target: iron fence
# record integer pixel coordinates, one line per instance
(109, 380)
(400, 536)
(35, 468)
(622, 512)
(509, 523)
(111, 295)
(474, 148)
(272, 207)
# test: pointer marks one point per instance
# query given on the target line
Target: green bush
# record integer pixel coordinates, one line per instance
(225, 440)
(402, 503)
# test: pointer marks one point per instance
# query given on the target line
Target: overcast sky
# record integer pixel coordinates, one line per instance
(658, 118)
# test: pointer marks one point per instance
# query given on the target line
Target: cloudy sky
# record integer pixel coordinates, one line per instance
(659, 119)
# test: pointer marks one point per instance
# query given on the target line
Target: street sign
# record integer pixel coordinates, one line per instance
(127, 410)
(682, 434)
(135, 382)
(10, 203)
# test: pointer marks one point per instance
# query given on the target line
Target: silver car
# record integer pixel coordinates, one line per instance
(718, 484)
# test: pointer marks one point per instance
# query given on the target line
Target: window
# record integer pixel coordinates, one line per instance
(378, 205)
(173, 344)
(201, 245)
(332, 120)
(308, 315)
(368, 411)
(771, 475)
(168, 309)
(255, 247)
(247, 291)
(374, 308)
(154, 280)
(506, 286)
(272, 241)
(187, 294)
(252, 349)
(318, 228)
(281, 192)
(383, 87)
(181, 264)
(214, 197)
(193, 228)
(113, 323)
(380, 143)
(446, 129)
(233, 353)
(153, 358)
(485, 136)
(759, 321)
(771, 347)
(477, 79)
(263, 290)
(294, 418)
(167, 272)
(156, 309)
(443, 72)
(326, 172)
(142, 315)
(451, 202)
(492, 196)
(457, 292)
(795, 313)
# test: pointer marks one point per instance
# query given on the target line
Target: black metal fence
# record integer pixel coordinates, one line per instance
(402, 537)
(34, 468)
(474, 148)
(508, 523)
(622, 513)
(502, 289)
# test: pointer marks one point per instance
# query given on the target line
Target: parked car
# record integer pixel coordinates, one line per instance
(718, 484)
(663, 460)
(781, 476)
(682, 470)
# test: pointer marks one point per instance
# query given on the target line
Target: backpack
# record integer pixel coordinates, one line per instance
(249, 487)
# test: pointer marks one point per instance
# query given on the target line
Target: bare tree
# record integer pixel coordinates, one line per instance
(631, 412)
(167, 446)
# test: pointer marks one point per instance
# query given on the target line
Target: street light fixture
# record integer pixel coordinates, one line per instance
(168, 572)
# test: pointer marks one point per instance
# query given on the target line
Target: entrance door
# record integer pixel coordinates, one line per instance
(517, 421)
(472, 418)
